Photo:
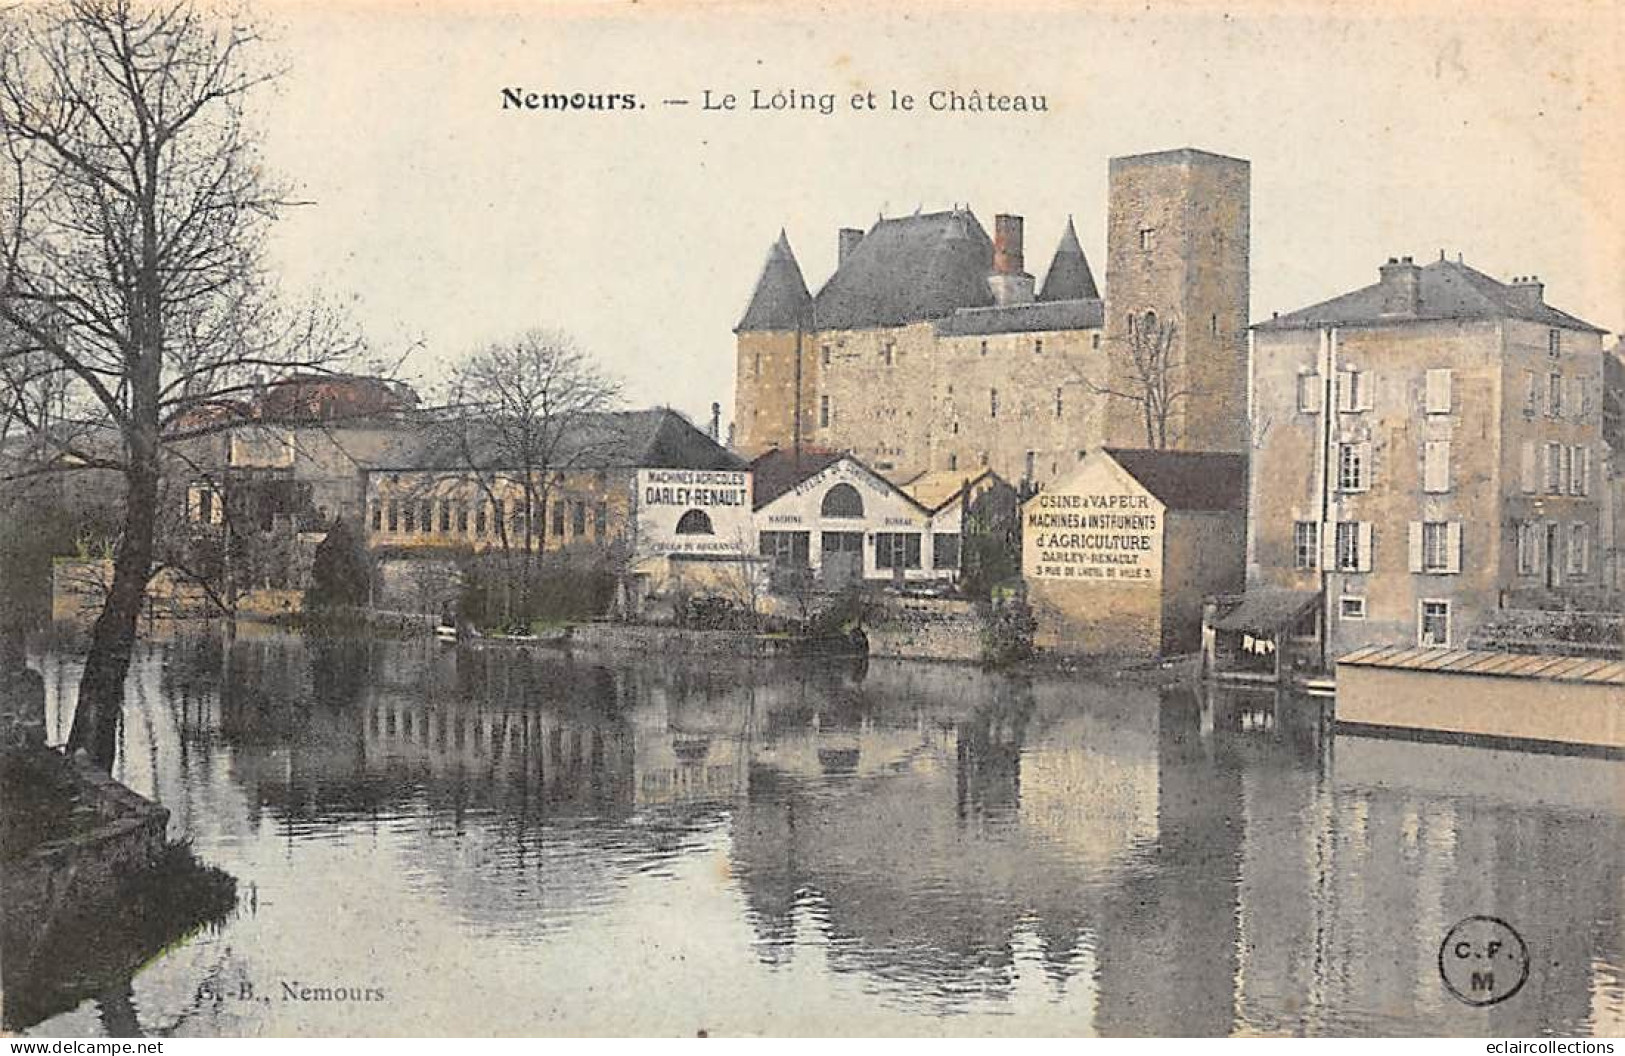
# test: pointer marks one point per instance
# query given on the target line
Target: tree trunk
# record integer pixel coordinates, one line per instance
(112, 640)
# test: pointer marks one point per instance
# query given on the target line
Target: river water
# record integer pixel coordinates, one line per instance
(494, 842)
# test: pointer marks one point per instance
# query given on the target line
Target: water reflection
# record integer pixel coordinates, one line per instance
(880, 848)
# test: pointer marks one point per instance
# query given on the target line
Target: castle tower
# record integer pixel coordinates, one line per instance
(773, 376)
(1177, 301)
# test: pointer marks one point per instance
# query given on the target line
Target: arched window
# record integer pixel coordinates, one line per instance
(695, 522)
(842, 500)
(1150, 323)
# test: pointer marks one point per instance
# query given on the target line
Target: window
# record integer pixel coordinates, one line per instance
(499, 511)
(756, 367)
(945, 551)
(1554, 395)
(992, 403)
(409, 518)
(1554, 469)
(693, 522)
(394, 516)
(1213, 324)
(953, 461)
(1554, 343)
(1094, 341)
(1354, 390)
(479, 519)
(1436, 466)
(786, 548)
(1531, 394)
(823, 412)
(1353, 467)
(578, 519)
(842, 500)
(1529, 471)
(1131, 324)
(1309, 393)
(984, 348)
(1032, 459)
(897, 549)
(1436, 547)
(1433, 627)
(558, 519)
(823, 354)
(1353, 546)
(1059, 404)
(1351, 607)
(1306, 545)
(1579, 470)
(600, 520)
(888, 352)
(1529, 552)
(377, 517)
(1038, 346)
(445, 516)
(426, 516)
(462, 518)
(1582, 397)
(1148, 238)
(1438, 391)
(1579, 549)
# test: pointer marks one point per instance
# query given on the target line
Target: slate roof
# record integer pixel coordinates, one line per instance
(776, 472)
(1266, 610)
(781, 296)
(1069, 277)
(1450, 290)
(1188, 480)
(908, 269)
(656, 439)
(1025, 318)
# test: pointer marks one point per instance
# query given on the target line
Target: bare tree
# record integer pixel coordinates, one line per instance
(522, 413)
(131, 249)
(1154, 381)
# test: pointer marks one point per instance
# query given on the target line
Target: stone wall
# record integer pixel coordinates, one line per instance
(85, 868)
(926, 629)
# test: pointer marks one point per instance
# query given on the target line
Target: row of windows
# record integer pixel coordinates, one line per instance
(892, 549)
(1435, 547)
(1544, 548)
(1354, 391)
(1564, 469)
(1556, 396)
(459, 517)
(1354, 467)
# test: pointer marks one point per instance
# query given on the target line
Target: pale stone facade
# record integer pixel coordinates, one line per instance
(1427, 449)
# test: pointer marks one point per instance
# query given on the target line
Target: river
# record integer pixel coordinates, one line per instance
(430, 840)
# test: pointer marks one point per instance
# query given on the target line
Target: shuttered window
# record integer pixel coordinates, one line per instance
(1436, 466)
(1438, 391)
(1435, 547)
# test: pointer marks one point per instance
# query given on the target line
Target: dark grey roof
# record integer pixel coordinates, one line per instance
(781, 298)
(1265, 610)
(775, 472)
(1188, 480)
(1024, 318)
(1069, 277)
(1450, 290)
(654, 439)
(909, 269)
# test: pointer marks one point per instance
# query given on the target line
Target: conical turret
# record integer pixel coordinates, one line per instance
(1069, 278)
(781, 298)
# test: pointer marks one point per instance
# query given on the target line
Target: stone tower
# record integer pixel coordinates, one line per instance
(774, 374)
(1177, 301)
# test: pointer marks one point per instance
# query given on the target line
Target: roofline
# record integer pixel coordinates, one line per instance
(839, 458)
(1284, 325)
(1174, 154)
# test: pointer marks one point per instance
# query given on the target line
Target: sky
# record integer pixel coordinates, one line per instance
(1376, 129)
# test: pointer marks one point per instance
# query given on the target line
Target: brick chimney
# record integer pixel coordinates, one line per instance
(1527, 291)
(848, 239)
(1009, 282)
(1401, 287)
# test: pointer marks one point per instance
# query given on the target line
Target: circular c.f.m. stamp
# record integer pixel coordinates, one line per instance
(1483, 961)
